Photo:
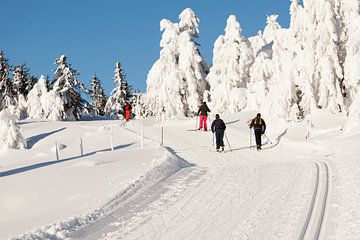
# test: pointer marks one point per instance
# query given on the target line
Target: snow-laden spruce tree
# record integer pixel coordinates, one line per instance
(22, 82)
(306, 61)
(119, 95)
(262, 69)
(164, 93)
(352, 60)
(282, 99)
(7, 97)
(21, 85)
(261, 72)
(10, 135)
(98, 96)
(229, 75)
(68, 87)
(139, 107)
(176, 82)
(316, 36)
(44, 104)
(192, 66)
(272, 89)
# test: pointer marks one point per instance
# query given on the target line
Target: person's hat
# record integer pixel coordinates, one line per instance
(217, 116)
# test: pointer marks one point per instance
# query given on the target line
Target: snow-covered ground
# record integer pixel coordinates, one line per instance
(305, 184)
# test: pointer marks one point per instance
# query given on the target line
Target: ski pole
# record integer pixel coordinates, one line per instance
(213, 138)
(196, 123)
(227, 140)
(250, 138)
(268, 138)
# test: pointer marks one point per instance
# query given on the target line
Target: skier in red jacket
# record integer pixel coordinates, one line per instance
(127, 110)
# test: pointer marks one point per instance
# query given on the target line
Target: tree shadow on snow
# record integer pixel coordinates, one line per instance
(267, 143)
(277, 140)
(45, 164)
(31, 141)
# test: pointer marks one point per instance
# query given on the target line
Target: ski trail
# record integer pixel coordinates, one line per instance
(315, 222)
(236, 195)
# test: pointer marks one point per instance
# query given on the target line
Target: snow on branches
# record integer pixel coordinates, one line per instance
(10, 135)
(177, 80)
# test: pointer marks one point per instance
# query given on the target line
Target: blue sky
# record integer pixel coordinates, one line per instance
(96, 34)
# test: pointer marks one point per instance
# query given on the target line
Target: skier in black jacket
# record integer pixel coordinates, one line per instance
(218, 127)
(259, 128)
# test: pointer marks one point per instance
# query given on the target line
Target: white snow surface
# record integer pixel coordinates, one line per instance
(182, 190)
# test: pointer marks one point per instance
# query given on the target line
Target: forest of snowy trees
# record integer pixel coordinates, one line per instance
(61, 98)
(286, 73)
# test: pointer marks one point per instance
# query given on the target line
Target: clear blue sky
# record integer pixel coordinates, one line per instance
(96, 34)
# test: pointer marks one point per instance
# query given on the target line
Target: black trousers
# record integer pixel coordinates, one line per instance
(258, 133)
(219, 134)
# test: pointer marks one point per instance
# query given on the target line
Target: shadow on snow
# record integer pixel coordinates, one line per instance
(45, 164)
(31, 141)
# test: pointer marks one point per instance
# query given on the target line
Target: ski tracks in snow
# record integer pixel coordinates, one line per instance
(225, 196)
(315, 224)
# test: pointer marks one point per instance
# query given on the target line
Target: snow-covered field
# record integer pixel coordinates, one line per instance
(296, 188)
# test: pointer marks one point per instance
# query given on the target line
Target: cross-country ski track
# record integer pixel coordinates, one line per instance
(242, 194)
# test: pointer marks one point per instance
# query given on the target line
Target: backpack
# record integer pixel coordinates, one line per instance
(257, 122)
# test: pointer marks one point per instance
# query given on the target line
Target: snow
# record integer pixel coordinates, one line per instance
(182, 190)
(109, 179)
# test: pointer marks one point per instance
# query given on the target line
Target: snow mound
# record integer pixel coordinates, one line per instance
(164, 167)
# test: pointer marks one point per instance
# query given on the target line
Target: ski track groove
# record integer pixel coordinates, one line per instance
(217, 199)
(314, 226)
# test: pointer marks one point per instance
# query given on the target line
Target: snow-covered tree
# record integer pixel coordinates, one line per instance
(22, 82)
(10, 134)
(303, 67)
(176, 82)
(98, 96)
(120, 94)
(44, 104)
(139, 107)
(352, 60)
(66, 84)
(7, 97)
(229, 75)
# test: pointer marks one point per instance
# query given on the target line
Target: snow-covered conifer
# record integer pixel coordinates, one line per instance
(352, 60)
(7, 97)
(176, 82)
(229, 75)
(10, 135)
(66, 84)
(139, 107)
(98, 96)
(120, 94)
(22, 80)
(44, 104)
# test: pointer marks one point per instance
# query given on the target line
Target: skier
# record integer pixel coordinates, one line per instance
(218, 127)
(259, 128)
(127, 111)
(203, 110)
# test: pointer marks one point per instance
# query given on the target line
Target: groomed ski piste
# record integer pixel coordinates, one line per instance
(305, 185)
